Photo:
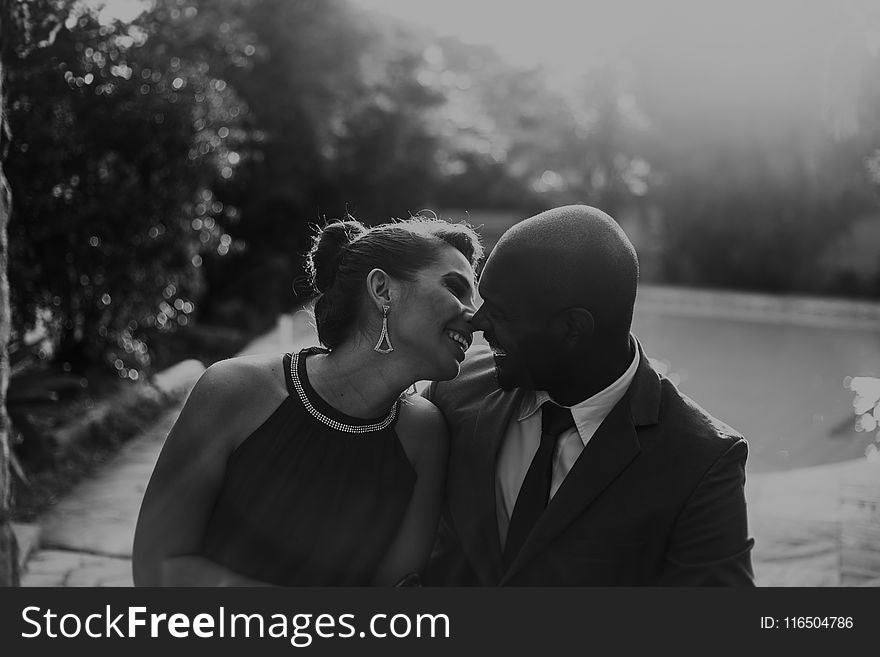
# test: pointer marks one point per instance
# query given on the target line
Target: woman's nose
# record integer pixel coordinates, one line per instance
(470, 309)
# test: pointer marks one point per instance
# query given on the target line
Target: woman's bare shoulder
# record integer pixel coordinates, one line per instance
(234, 396)
(246, 375)
(421, 428)
(415, 408)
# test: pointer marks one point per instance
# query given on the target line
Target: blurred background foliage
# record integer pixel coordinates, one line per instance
(166, 169)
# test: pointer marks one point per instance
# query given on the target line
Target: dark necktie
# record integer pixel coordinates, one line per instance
(535, 489)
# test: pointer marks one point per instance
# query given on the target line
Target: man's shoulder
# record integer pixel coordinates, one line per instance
(684, 419)
(476, 376)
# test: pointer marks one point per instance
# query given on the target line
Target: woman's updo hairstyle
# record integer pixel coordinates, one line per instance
(344, 252)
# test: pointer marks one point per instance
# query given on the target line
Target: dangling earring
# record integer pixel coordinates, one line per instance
(383, 336)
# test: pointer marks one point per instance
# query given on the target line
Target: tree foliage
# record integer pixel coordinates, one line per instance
(120, 140)
(172, 167)
(24, 26)
(340, 116)
(753, 202)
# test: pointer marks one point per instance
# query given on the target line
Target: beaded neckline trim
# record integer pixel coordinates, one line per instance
(330, 422)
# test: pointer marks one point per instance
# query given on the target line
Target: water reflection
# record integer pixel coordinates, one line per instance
(866, 406)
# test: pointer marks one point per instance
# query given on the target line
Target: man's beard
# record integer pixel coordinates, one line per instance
(511, 373)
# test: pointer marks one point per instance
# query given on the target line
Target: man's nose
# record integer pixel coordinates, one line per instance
(477, 319)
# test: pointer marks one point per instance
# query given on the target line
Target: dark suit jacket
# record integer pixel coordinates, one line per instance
(656, 497)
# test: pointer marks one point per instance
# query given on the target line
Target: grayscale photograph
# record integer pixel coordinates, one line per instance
(472, 293)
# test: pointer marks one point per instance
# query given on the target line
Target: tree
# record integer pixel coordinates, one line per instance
(8, 548)
(24, 26)
(340, 119)
(384, 148)
(123, 134)
(304, 73)
(499, 128)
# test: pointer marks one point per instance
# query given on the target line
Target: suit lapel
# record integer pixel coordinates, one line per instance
(472, 486)
(609, 452)
(611, 449)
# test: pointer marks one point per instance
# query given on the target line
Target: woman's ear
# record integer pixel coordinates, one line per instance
(379, 287)
(579, 323)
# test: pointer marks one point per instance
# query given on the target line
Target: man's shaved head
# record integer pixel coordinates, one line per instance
(558, 293)
(573, 256)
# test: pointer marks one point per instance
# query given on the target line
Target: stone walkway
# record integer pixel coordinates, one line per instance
(86, 539)
(796, 517)
(799, 520)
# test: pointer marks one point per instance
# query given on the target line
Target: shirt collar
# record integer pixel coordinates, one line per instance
(590, 411)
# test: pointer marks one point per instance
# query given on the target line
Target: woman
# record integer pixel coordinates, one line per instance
(315, 468)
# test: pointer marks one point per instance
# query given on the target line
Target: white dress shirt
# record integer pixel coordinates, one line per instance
(524, 435)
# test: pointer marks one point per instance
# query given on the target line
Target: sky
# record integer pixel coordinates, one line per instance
(561, 34)
(124, 10)
(554, 31)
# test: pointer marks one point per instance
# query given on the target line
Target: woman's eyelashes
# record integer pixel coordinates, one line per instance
(457, 288)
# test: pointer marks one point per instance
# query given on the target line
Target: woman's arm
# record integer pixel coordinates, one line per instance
(188, 474)
(425, 438)
(199, 571)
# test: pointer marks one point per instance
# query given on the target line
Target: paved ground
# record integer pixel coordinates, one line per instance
(798, 517)
(86, 539)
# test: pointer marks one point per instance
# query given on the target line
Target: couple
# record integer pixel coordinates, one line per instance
(558, 458)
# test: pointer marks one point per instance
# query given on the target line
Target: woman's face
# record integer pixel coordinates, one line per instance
(430, 321)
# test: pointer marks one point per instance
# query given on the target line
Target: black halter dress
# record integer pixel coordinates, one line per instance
(313, 497)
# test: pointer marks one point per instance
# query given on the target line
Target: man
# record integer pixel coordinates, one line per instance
(572, 462)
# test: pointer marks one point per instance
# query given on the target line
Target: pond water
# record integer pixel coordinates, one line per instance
(782, 385)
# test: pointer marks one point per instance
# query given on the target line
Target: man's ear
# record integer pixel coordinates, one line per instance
(379, 287)
(579, 323)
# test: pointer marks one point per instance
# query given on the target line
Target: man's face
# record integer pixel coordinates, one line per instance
(522, 335)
